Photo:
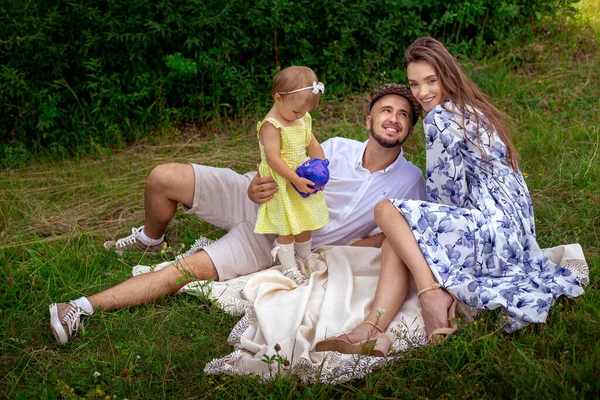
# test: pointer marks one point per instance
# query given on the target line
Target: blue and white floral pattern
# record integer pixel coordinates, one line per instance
(477, 229)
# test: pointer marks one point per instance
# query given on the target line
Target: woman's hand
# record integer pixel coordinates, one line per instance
(261, 189)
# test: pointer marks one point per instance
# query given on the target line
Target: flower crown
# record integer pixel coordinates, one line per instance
(316, 88)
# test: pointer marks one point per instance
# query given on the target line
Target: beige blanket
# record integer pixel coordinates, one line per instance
(336, 299)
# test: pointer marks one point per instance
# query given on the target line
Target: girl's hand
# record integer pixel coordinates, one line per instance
(304, 185)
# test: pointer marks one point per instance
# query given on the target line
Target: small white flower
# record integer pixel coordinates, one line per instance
(97, 374)
(380, 311)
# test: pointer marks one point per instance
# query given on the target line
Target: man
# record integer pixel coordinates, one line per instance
(361, 175)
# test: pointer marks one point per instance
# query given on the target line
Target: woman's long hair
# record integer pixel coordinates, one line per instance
(463, 92)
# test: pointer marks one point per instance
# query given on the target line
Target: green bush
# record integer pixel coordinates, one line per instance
(77, 73)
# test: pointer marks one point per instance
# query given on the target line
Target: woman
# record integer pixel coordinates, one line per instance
(474, 241)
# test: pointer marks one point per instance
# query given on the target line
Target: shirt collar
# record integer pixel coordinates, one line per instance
(398, 161)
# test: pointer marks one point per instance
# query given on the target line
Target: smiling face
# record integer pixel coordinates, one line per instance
(390, 120)
(425, 84)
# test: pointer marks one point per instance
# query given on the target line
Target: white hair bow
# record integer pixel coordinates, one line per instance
(315, 88)
(318, 87)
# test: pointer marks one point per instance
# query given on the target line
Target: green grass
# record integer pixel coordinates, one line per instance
(55, 216)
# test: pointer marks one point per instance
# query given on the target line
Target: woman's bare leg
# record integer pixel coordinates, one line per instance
(392, 289)
(434, 303)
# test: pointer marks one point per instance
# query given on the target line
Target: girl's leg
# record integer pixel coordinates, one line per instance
(287, 258)
(303, 244)
(285, 239)
(286, 251)
(392, 288)
(434, 303)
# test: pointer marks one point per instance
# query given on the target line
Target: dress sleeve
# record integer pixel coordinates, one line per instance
(445, 169)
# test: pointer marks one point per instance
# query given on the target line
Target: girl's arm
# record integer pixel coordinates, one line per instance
(270, 138)
(314, 149)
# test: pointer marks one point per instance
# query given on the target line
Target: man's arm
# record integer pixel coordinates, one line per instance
(261, 189)
(370, 241)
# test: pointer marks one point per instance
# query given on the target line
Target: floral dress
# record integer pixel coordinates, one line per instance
(477, 229)
(288, 213)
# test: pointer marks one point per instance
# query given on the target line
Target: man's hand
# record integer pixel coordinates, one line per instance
(261, 189)
(370, 241)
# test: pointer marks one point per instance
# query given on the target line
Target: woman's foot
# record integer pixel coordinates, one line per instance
(362, 332)
(437, 306)
(367, 338)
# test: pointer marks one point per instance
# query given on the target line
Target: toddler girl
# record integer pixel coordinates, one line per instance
(286, 141)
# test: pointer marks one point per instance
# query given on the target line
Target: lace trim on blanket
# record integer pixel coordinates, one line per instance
(337, 367)
(579, 268)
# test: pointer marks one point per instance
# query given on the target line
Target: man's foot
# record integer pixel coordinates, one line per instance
(65, 320)
(133, 241)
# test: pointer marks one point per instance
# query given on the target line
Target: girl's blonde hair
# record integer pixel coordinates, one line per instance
(463, 92)
(296, 77)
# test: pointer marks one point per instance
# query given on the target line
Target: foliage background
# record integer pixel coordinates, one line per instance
(56, 213)
(81, 75)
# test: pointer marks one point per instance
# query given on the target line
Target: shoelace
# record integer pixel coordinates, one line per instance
(129, 240)
(73, 319)
(294, 274)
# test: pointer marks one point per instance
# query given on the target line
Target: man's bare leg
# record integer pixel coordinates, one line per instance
(65, 318)
(154, 285)
(166, 186)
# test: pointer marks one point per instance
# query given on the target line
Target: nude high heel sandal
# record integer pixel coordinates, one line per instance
(378, 344)
(445, 331)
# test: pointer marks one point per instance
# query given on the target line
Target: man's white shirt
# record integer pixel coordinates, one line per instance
(353, 191)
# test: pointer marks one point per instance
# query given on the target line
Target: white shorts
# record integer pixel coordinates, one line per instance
(221, 199)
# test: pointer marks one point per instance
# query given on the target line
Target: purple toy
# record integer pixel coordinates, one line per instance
(316, 171)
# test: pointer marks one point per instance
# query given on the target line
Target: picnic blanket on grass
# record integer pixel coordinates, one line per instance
(335, 299)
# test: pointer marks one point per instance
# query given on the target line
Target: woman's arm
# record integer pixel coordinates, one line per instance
(445, 171)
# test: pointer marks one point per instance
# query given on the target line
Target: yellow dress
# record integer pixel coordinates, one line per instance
(288, 213)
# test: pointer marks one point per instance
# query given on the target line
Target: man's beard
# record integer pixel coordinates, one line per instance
(388, 144)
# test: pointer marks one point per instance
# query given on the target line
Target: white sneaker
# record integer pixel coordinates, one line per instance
(65, 320)
(294, 274)
(133, 241)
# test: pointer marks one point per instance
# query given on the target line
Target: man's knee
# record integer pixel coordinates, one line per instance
(173, 180)
(198, 266)
(186, 270)
(164, 176)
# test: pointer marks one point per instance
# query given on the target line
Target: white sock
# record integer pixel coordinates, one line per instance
(286, 255)
(303, 249)
(84, 304)
(149, 241)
